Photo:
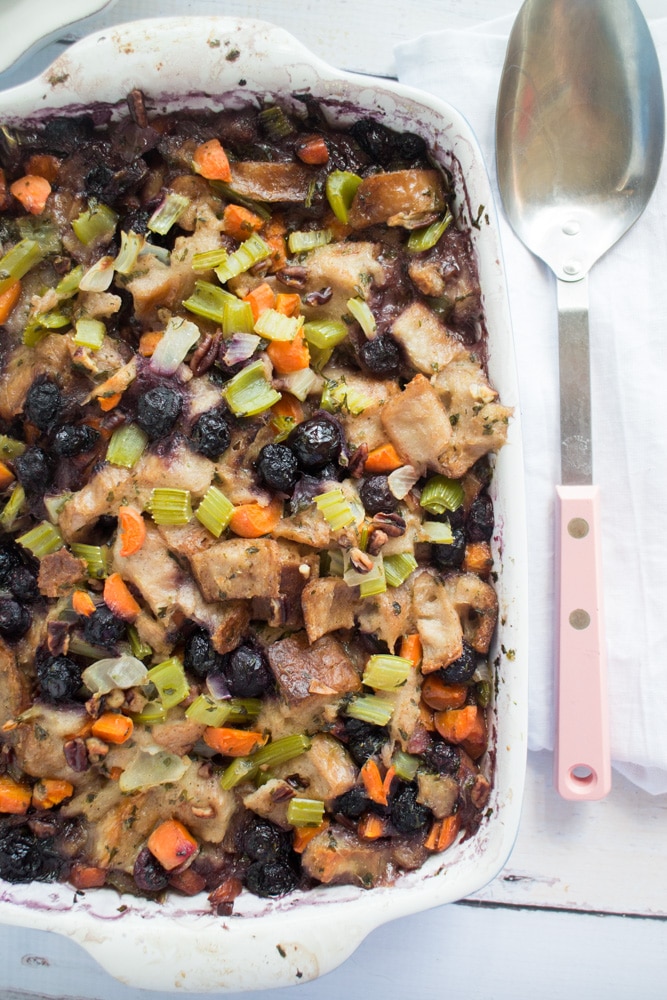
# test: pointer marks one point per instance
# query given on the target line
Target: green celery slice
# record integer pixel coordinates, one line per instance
(437, 532)
(427, 237)
(89, 333)
(96, 558)
(126, 446)
(341, 188)
(305, 812)
(10, 447)
(214, 511)
(207, 711)
(170, 680)
(241, 769)
(42, 540)
(170, 506)
(397, 568)
(386, 672)
(301, 241)
(250, 252)
(273, 325)
(325, 334)
(371, 708)
(335, 508)
(441, 494)
(209, 301)
(13, 507)
(18, 261)
(168, 213)
(94, 223)
(250, 392)
(282, 750)
(405, 764)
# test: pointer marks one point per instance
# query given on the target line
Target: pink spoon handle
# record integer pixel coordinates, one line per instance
(582, 766)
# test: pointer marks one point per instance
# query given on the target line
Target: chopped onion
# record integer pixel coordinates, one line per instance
(402, 480)
(300, 383)
(239, 347)
(115, 672)
(98, 277)
(179, 336)
(150, 769)
(217, 686)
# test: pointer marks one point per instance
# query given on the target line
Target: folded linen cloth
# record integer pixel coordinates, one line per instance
(628, 303)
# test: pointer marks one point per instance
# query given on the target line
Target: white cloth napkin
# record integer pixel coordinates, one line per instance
(628, 306)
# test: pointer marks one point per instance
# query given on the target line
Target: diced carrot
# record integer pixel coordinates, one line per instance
(459, 724)
(274, 233)
(148, 342)
(14, 797)
(251, 520)
(288, 303)
(440, 695)
(385, 458)
(8, 300)
(188, 882)
(372, 779)
(210, 160)
(32, 191)
(240, 222)
(113, 727)
(172, 844)
(288, 406)
(388, 778)
(371, 827)
(50, 792)
(87, 876)
(6, 476)
(83, 603)
(132, 530)
(233, 742)
(477, 558)
(303, 835)
(443, 833)
(118, 598)
(260, 298)
(43, 165)
(109, 402)
(313, 150)
(411, 648)
(289, 355)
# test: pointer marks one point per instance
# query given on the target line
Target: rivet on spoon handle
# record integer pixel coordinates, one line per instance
(582, 768)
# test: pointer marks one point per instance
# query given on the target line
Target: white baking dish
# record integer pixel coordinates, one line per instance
(206, 62)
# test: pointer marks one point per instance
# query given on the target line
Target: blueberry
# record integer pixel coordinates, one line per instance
(247, 672)
(25, 858)
(461, 670)
(270, 878)
(23, 584)
(376, 496)
(278, 468)
(316, 441)
(148, 873)
(15, 620)
(211, 435)
(74, 439)
(380, 356)
(408, 815)
(102, 628)
(200, 656)
(448, 556)
(158, 410)
(34, 471)
(364, 740)
(59, 678)
(479, 523)
(442, 757)
(43, 403)
(262, 840)
(10, 559)
(352, 803)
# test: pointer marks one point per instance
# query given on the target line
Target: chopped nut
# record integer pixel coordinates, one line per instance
(361, 561)
(392, 524)
(376, 540)
(97, 749)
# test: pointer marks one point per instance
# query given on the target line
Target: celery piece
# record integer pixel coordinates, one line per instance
(335, 508)
(139, 648)
(273, 325)
(240, 769)
(398, 568)
(97, 222)
(301, 241)
(325, 334)
(53, 320)
(126, 446)
(43, 231)
(319, 357)
(250, 392)
(214, 511)
(360, 310)
(243, 709)
(54, 505)
(33, 332)
(237, 316)
(131, 245)
(42, 540)
(207, 259)
(179, 337)
(80, 647)
(152, 712)
(275, 122)
(427, 237)
(90, 333)
(69, 284)
(337, 395)
(250, 252)
(168, 213)
(10, 447)
(437, 532)
(405, 764)
(300, 383)
(98, 277)
(228, 192)
(170, 680)
(96, 558)
(283, 427)
(385, 672)
(209, 301)
(18, 261)
(208, 711)
(441, 494)
(371, 708)
(305, 812)
(170, 506)
(282, 750)
(369, 588)
(13, 507)
(341, 188)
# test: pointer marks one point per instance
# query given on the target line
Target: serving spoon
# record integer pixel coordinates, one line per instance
(579, 137)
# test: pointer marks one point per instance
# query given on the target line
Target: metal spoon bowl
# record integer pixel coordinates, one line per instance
(579, 139)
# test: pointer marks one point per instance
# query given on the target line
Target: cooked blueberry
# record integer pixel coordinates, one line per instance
(148, 873)
(10, 559)
(102, 628)
(461, 670)
(158, 410)
(59, 678)
(479, 523)
(316, 441)
(34, 471)
(262, 840)
(74, 439)
(378, 141)
(376, 496)
(25, 858)
(408, 815)
(247, 672)
(442, 757)
(277, 467)
(211, 434)
(447, 556)
(364, 740)
(15, 620)
(352, 803)
(200, 656)
(23, 584)
(380, 356)
(43, 403)
(270, 878)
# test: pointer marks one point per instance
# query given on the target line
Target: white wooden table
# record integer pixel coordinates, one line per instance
(580, 908)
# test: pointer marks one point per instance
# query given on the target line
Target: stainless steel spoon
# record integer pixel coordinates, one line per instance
(579, 141)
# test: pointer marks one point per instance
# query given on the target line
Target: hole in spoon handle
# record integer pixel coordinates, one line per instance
(582, 765)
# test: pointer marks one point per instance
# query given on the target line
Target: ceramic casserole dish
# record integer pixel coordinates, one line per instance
(180, 944)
